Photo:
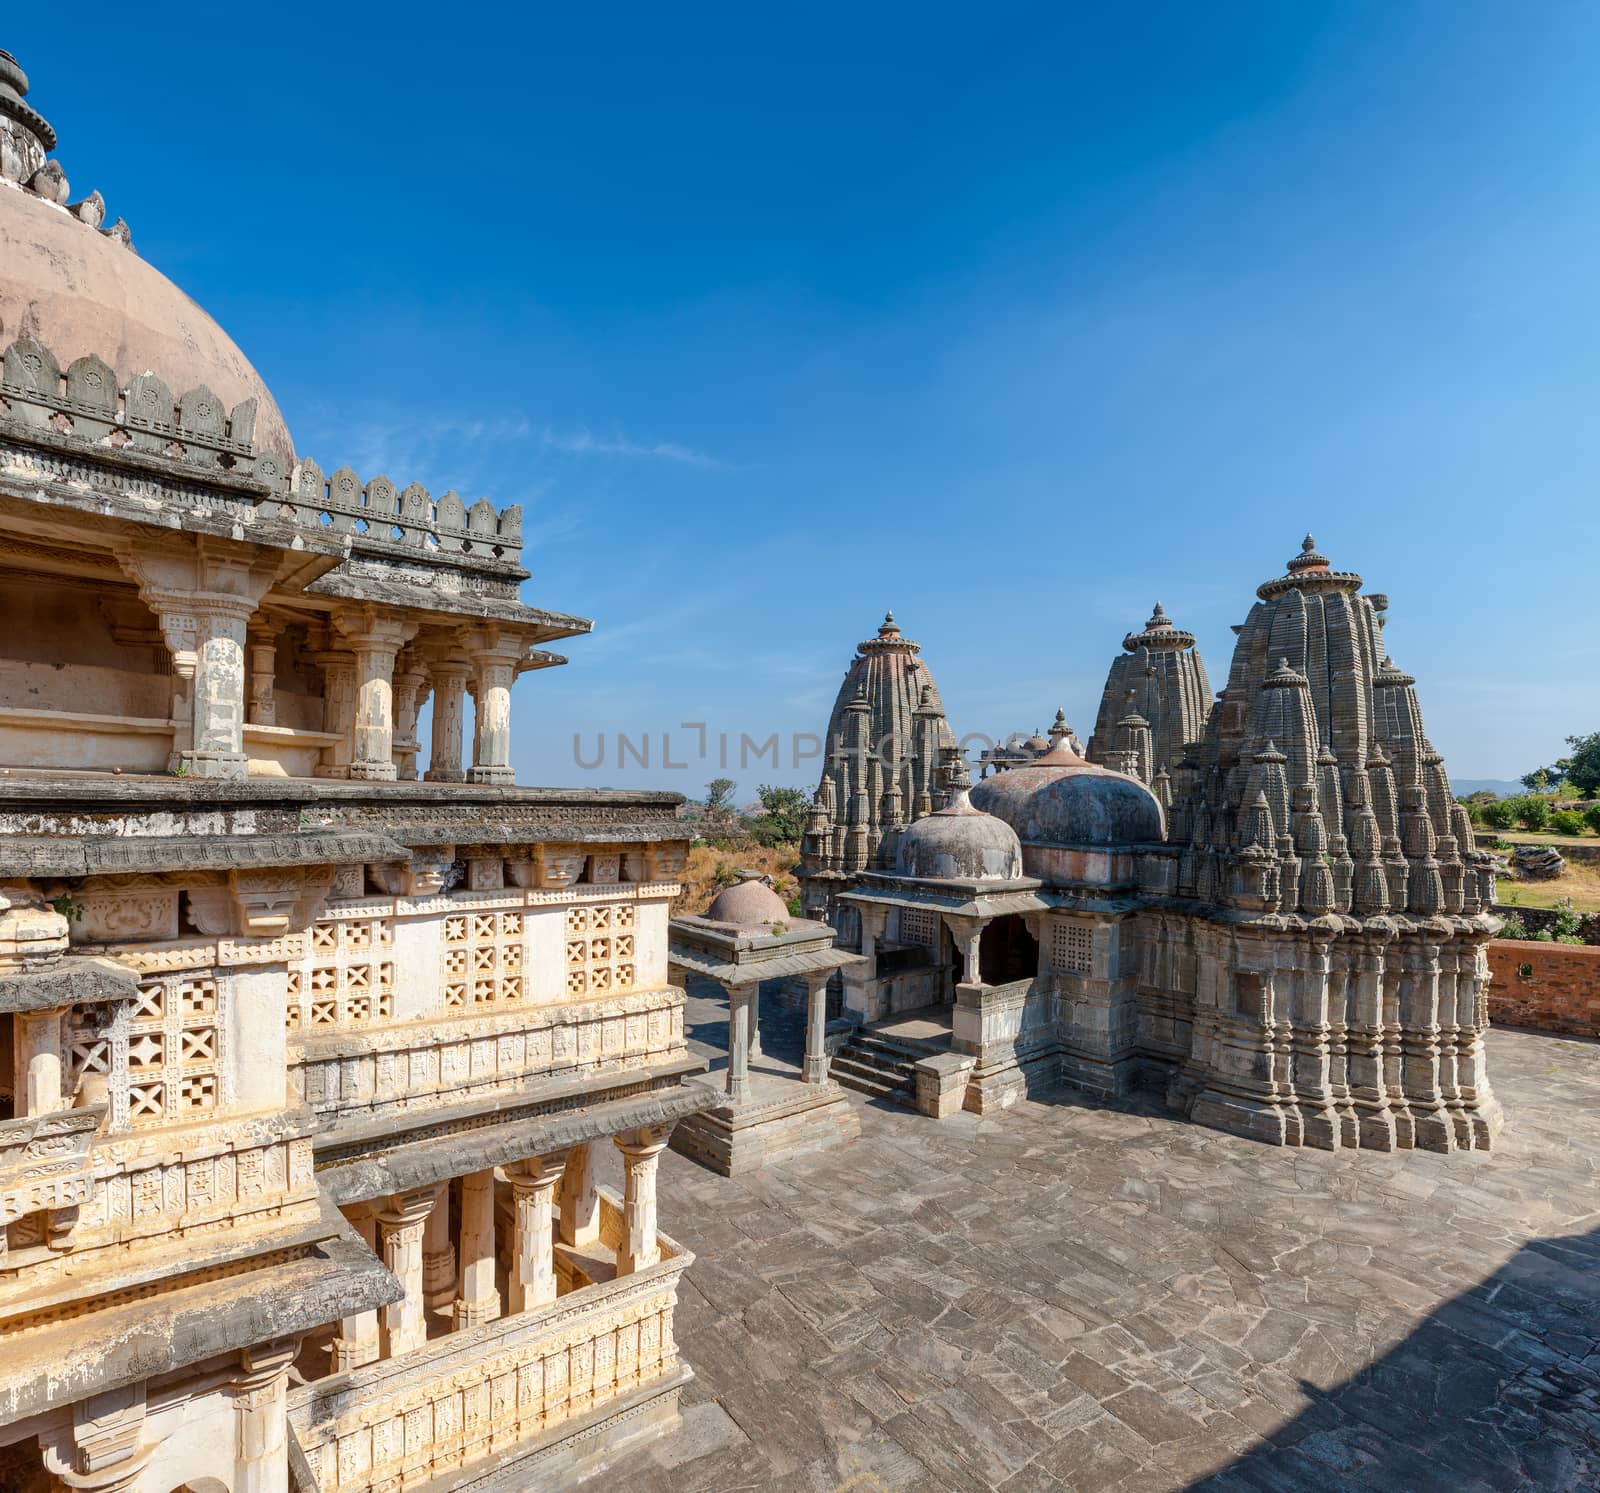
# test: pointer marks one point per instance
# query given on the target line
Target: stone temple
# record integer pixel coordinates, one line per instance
(338, 1071)
(1285, 929)
(314, 1031)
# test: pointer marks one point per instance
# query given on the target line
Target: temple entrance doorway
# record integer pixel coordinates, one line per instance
(1007, 951)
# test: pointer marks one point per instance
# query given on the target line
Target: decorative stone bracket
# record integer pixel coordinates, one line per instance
(261, 903)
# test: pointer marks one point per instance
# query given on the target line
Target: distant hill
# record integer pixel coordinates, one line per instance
(1498, 786)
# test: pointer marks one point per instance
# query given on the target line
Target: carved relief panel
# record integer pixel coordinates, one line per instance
(481, 958)
(347, 975)
(159, 1053)
(600, 948)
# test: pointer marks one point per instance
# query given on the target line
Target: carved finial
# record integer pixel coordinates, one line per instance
(22, 150)
(1307, 545)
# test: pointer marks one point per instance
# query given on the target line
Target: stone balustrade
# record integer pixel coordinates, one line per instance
(484, 1390)
(84, 405)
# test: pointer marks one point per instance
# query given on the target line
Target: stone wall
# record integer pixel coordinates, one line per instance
(1551, 987)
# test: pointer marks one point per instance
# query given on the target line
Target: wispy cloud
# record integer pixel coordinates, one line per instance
(584, 442)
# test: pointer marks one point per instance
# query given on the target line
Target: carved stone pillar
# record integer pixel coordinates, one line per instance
(38, 1062)
(495, 665)
(358, 1339)
(861, 995)
(263, 654)
(204, 592)
(580, 1201)
(259, 1394)
(641, 1151)
(403, 1324)
(968, 934)
(449, 719)
(477, 1300)
(816, 1064)
(439, 1254)
(533, 1267)
(375, 638)
(338, 710)
(738, 1083)
(410, 690)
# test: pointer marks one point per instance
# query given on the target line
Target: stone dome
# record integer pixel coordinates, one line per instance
(79, 290)
(959, 843)
(748, 904)
(1060, 799)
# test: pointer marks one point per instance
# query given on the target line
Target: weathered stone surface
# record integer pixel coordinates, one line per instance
(1070, 1295)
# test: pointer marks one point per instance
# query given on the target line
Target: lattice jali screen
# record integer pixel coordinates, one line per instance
(159, 1052)
(347, 976)
(482, 958)
(919, 925)
(1072, 948)
(600, 948)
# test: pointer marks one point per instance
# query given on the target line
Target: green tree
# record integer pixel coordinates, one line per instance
(1592, 817)
(1567, 822)
(1579, 773)
(1501, 814)
(719, 795)
(719, 823)
(783, 815)
(1533, 813)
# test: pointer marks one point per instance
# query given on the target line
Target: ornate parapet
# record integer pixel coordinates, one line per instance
(155, 433)
(45, 1164)
(539, 1380)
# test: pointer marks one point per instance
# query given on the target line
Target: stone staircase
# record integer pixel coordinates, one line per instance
(880, 1066)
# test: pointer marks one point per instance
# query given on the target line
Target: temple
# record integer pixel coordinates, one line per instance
(886, 746)
(1155, 703)
(1286, 930)
(315, 1026)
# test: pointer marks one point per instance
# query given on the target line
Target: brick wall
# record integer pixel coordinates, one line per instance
(1552, 987)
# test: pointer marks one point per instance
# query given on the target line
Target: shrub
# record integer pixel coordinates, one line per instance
(1514, 927)
(1567, 822)
(1533, 813)
(1591, 817)
(1568, 923)
(1501, 814)
(1474, 812)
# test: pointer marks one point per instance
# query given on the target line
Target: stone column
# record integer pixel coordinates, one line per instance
(375, 637)
(38, 1062)
(410, 690)
(861, 996)
(477, 1300)
(338, 710)
(261, 1464)
(739, 1043)
(755, 1024)
(203, 591)
(641, 1151)
(495, 670)
(358, 1342)
(580, 1201)
(816, 1064)
(262, 648)
(403, 1325)
(449, 691)
(533, 1266)
(439, 1254)
(968, 934)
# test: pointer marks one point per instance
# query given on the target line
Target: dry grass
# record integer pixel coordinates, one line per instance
(701, 881)
(1580, 882)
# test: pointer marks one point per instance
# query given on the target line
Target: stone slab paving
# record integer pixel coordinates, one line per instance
(1068, 1295)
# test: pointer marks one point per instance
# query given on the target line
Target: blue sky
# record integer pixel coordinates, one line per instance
(1013, 318)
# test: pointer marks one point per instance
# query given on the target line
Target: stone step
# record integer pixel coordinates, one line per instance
(865, 1042)
(878, 1082)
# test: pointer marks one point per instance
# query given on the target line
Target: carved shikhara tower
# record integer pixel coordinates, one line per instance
(1316, 962)
(1155, 703)
(309, 1029)
(886, 749)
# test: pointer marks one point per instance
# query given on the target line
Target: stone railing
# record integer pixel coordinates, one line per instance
(420, 1064)
(484, 1391)
(85, 404)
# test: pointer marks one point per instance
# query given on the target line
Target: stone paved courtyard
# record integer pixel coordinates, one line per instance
(1073, 1296)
